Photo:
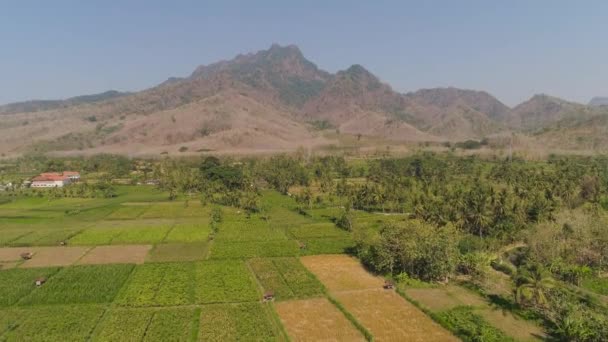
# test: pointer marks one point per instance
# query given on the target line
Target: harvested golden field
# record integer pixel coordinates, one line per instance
(341, 272)
(134, 254)
(316, 320)
(55, 256)
(391, 318)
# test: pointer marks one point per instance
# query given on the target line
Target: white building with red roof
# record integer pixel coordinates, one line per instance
(54, 179)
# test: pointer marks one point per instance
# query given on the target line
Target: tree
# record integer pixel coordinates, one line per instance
(418, 249)
(533, 282)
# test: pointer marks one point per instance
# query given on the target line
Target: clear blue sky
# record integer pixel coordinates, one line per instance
(513, 49)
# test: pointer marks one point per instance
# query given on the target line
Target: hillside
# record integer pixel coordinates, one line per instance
(269, 101)
(598, 101)
(544, 110)
(586, 133)
(44, 105)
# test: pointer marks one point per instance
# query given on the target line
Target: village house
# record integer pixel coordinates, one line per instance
(55, 179)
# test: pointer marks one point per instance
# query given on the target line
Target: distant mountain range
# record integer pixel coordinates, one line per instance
(276, 100)
(598, 101)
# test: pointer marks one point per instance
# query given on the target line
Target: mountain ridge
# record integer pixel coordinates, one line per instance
(236, 104)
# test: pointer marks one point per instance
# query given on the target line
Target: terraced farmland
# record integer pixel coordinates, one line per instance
(128, 269)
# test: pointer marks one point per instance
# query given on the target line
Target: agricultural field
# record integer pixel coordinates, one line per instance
(286, 278)
(139, 268)
(246, 322)
(316, 320)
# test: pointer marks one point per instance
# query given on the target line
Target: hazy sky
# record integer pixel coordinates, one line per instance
(512, 49)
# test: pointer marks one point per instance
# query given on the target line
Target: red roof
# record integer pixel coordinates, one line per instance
(49, 178)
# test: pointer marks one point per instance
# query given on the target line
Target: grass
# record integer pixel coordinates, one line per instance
(17, 283)
(318, 230)
(224, 281)
(8, 236)
(328, 246)
(52, 323)
(173, 252)
(123, 325)
(188, 233)
(121, 235)
(159, 285)
(469, 326)
(253, 229)
(127, 212)
(173, 325)
(237, 322)
(81, 284)
(44, 238)
(597, 285)
(287, 278)
(95, 236)
(245, 250)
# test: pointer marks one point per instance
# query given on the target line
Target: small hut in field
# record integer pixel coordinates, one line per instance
(40, 281)
(388, 285)
(268, 296)
(27, 255)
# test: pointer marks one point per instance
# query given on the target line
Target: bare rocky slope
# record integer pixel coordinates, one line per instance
(270, 101)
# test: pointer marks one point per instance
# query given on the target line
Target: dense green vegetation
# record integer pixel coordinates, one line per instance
(226, 231)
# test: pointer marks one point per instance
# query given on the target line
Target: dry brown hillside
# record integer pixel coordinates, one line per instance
(272, 100)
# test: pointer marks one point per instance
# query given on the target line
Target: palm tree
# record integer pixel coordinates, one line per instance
(533, 282)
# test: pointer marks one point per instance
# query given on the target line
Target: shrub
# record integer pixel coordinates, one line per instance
(470, 326)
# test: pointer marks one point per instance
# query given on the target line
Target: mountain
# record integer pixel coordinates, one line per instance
(543, 110)
(577, 133)
(456, 113)
(43, 105)
(598, 101)
(271, 101)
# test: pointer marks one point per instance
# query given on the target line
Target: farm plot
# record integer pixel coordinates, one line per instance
(135, 254)
(8, 236)
(121, 235)
(128, 212)
(286, 278)
(224, 281)
(173, 325)
(172, 252)
(55, 256)
(327, 246)
(444, 298)
(18, 283)
(159, 285)
(52, 323)
(188, 233)
(316, 320)
(44, 238)
(237, 322)
(253, 229)
(242, 250)
(137, 235)
(391, 318)
(175, 210)
(81, 284)
(123, 325)
(318, 230)
(95, 236)
(341, 272)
